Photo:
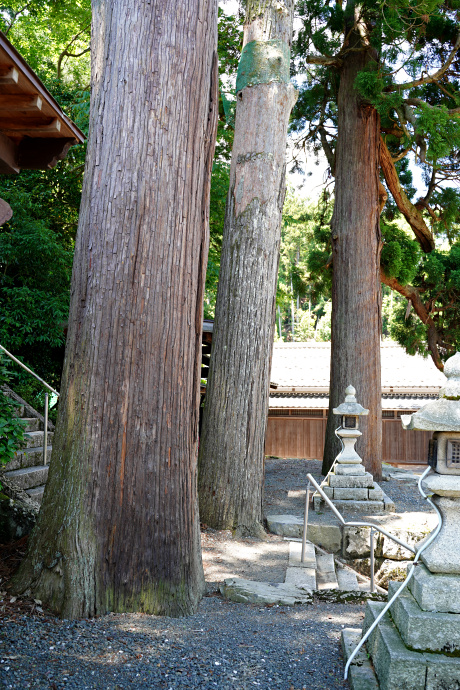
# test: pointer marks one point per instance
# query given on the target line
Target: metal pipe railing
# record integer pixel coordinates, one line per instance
(45, 415)
(354, 523)
(29, 371)
(424, 546)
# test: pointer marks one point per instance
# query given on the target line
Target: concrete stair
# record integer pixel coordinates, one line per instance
(319, 570)
(27, 469)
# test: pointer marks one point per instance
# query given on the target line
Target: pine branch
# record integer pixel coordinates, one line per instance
(430, 78)
(412, 295)
(407, 208)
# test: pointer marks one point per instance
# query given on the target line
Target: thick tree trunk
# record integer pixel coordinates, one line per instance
(118, 529)
(356, 295)
(231, 460)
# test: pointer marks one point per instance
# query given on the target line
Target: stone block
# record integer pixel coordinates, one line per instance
(285, 525)
(435, 592)
(391, 570)
(356, 542)
(348, 582)
(29, 477)
(443, 672)
(325, 572)
(443, 554)
(424, 630)
(387, 548)
(396, 666)
(351, 482)
(361, 674)
(301, 577)
(366, 507)
(327, 536)
(250, 592)
(344, 470)
(350, 494)
(389, 505)
(376, 494)
(34, 439)
(329, 491)
(295, 554)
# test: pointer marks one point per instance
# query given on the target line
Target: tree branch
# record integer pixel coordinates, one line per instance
(430, 77)
(455, 112)
(65, 52)
(412, 295)
(407, 208)
(327, 60)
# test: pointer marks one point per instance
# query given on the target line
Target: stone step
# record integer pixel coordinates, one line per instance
(35, 439)
(305, 578)
(326, 577)
(250, 592)
(397, 666)
(348, 582)
(33, 424)
(37, 493)
(29, 477)
(295, 554)
(361, 675)
(424, 630)
(28, 457)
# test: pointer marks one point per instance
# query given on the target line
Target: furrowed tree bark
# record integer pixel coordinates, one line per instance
(356, 296)
(231, 459)
(118, 529)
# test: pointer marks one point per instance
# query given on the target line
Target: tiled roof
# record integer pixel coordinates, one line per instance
(314, 402)
(307, 365)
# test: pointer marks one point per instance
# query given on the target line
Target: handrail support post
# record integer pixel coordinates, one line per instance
(45, 431)
(305, 524)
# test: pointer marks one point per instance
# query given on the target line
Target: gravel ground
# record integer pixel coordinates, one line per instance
(285, 484)
(224, 645)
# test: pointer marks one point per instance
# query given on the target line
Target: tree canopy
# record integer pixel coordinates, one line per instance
(412, 81)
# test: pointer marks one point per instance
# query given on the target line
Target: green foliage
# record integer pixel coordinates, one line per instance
(12, 428)
(440, 129)
(438, 282)
(400, 255)
(49, 34)
(36, 252)
(219, 190)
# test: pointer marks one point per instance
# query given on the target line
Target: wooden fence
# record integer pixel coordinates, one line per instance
(291, 437)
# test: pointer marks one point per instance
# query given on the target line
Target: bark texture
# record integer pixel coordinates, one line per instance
(356, 244)
(231, 460)
(118, 529)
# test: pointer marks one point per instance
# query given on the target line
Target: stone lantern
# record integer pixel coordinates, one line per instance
(350, 412)
(442, 416)
(348, 484)
(416, 645)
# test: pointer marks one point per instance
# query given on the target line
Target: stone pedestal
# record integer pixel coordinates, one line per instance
(348, 484)
(417, 647)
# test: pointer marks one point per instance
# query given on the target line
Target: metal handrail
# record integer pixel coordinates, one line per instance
(424, 546)
(50, 388)
(28, 370)
(372, 525)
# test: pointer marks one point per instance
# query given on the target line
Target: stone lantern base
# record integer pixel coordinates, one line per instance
(350, 487)
(417, 647)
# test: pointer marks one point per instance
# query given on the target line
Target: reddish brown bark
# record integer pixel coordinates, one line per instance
(118, 529)
(356, 299)
(231, 462)
(410, 212)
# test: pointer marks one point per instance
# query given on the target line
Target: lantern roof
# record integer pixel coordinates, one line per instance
(442, 414)
(350, 406)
